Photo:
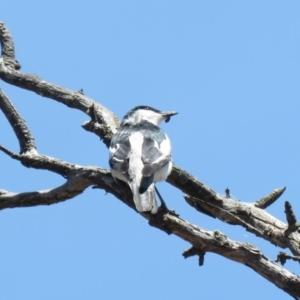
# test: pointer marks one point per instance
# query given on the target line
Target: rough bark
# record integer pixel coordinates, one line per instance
(104, 123)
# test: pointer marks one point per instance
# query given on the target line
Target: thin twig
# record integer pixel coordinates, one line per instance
(282, 258)
(269, 199)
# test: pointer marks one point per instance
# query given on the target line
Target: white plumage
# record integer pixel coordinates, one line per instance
(140, 154)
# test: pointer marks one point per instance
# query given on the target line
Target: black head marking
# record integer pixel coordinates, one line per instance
(146, 107)
(131, 112)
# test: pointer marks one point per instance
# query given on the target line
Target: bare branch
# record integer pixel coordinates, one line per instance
(189, 184)
(250, 217)
(72, 188)
(104, 124)
(247, 254)
(290, 216)
(8, 48)
(81, 178)
(207, 241)
(43, 162)
(234, 212)
(99, 178)
(9, 153)
(282, 257)
(71, 99)
(192, 252)
(291, 219)
(269, 199)
(26, 140)
(108, 122)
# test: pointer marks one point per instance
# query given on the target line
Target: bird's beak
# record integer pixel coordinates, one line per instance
(168, 114)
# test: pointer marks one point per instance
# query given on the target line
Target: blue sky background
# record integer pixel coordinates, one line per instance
(231, 70)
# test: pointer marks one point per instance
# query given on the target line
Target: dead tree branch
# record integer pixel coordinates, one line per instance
(269, 199)
(245, 253)
(253, 219)
(24, 136)
(290, 216)
(282, 258)
(104, 124)
(107, 121)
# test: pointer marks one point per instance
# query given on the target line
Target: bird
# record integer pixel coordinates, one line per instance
(140, 155)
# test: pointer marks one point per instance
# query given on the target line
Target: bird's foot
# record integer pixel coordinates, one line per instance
(164, 209)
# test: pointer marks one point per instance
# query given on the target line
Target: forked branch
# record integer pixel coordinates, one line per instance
(104, 124)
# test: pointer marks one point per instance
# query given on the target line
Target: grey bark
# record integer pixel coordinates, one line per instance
(104, 123)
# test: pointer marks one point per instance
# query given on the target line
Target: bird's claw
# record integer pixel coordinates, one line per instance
(164, 209)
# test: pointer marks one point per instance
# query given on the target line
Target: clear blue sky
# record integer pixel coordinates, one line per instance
(231, 70)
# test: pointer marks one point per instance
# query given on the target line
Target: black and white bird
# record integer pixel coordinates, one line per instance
(140, 154)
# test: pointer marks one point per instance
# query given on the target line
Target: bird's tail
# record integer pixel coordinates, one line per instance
(144, 199)
(142, 187)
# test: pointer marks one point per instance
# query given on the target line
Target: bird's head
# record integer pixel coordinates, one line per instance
(147, 113)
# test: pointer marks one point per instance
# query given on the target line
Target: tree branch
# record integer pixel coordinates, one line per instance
(107, 121)
(8, 48)
(68, 190)
(216, 242)
(104, 124)
(291, 219)
(269, 199)
(82, 178)
(254, 219)
(42, 162)
(282, 258)
(26, 140)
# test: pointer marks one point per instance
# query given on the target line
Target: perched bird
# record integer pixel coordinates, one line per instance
(140, 154)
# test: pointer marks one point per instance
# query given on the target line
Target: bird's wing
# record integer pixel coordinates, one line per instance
(155, 154)
(119, 152)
